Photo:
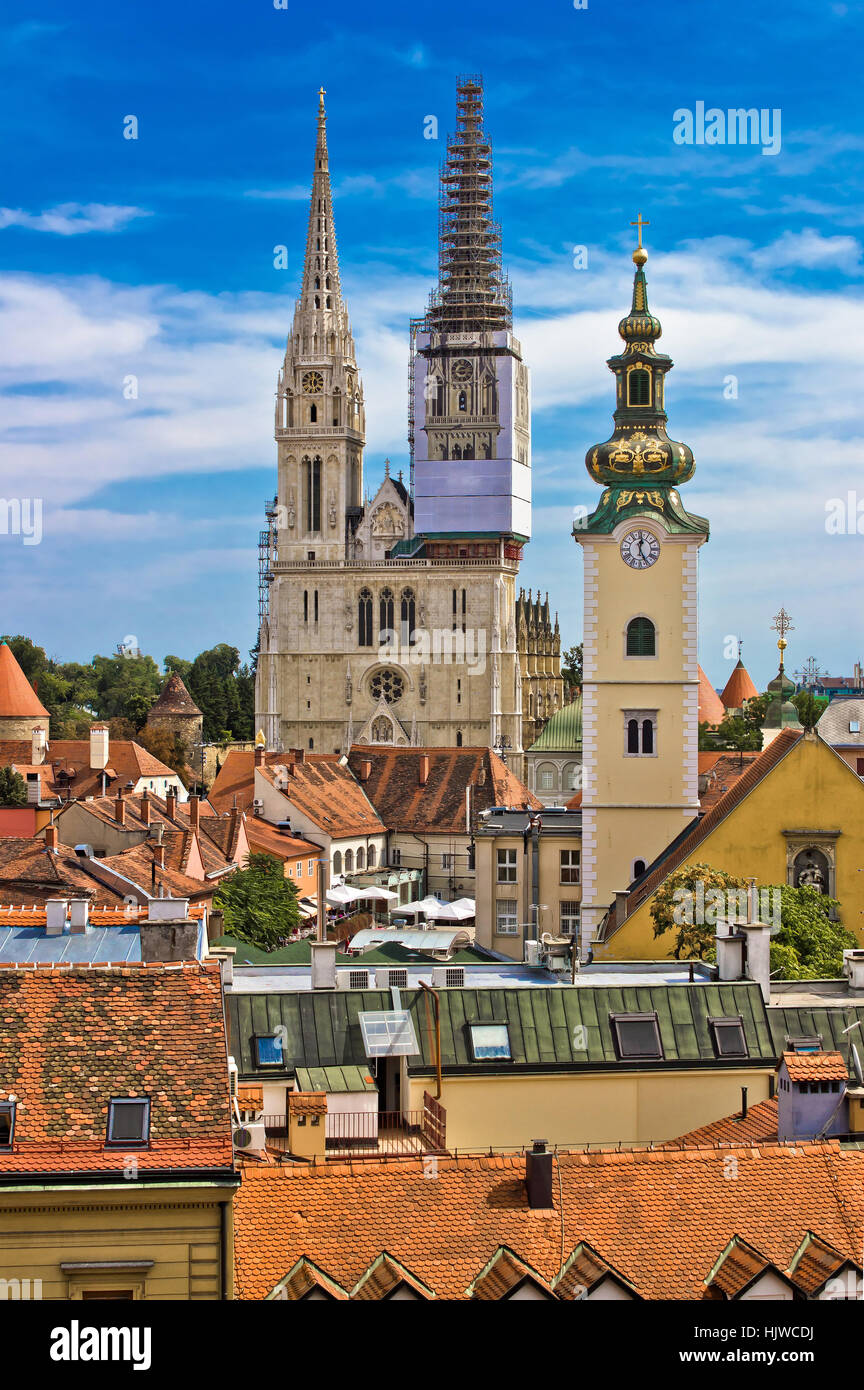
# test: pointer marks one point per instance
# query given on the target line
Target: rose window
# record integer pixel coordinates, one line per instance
(389, 684)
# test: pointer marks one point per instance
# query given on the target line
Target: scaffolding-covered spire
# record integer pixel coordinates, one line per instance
(473, 294)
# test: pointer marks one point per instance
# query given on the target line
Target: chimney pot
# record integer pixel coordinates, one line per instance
(55, 916)
(171, 802)
(98, 747)
(424, 769)
(538, 1176)
(145, 809)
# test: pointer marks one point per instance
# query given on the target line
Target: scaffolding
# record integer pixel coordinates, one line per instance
(266, 556)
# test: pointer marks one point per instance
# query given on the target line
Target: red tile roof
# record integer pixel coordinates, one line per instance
(444, 1222)
(404, 802)
(18, 699)
(321, 788)
(738, 688)
(264, 838)
(723, 772)
(127, 762)
(174, 699)
(711, 709)
(73, 1037)
(815, 1066)
(758, 1126)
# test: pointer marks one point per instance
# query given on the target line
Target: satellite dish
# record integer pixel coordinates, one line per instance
(242, 1138)
(856, 1063)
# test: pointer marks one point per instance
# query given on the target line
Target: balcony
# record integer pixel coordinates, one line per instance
(373, 1134)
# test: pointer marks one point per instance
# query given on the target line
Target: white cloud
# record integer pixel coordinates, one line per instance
(71, 219)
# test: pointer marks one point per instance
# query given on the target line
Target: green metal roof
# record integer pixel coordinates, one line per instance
(564, 1027)
(831, 1022)
(563, 732)
(388, 953)
(335, 1079)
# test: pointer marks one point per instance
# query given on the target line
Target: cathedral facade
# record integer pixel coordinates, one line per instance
(395, 620)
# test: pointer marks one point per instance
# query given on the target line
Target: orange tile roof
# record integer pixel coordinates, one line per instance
(575, 802)
(445, 1223)
(738, 1266)
(324, 791)
(307, 1103)
(723, 773)
(815, 1066)
(738, 688)
(74, 1037)
(14, 915)
(18, 699)
(814, 1264)
(404, 803)
(758, 1126)
(264, 838)
(724, 806)
(711, 709)
(235, 780)
(127, 762)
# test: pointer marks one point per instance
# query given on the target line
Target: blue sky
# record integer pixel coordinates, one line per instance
(153, 258)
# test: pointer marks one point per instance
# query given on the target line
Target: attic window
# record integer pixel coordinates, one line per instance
(804, 1043)
(637, 1037)
(490, 1041)
(7, 1123)
(728, 1037)
(268, 1049)
(129, 1120)
(854, 726)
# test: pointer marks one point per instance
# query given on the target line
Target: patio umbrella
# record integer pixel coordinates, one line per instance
(448, 912)
(341, 894)
(379, 894)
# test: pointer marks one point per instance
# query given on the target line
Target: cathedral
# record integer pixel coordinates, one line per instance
(396, 620)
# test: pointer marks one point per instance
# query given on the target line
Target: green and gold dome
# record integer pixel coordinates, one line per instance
(640, 466)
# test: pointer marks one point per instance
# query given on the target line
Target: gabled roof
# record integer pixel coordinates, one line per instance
(66, 771)
(815, 1262)
(502, 1275)
(758, 1126)
(73, 1037)
(303, 1279)
(403, 802)
(583, 1271)
(833, 724)
(815, 1066)
(174, 699)
(443, 1230)
(384, 1276)
(324, 791)
(739, 1266)
(711, 709)
(835, 1026)
(722, 772)
(264, 838)
(738, 688)
(18, 699)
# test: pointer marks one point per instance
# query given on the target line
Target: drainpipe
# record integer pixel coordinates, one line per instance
(434, 993)
(535, 877)
(224, 1252)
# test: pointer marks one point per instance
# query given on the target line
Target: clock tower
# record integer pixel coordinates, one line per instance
(641, 678)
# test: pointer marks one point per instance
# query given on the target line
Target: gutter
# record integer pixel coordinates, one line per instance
(156, 1177)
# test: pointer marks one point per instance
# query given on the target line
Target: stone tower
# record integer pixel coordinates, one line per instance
(641, 675)
(176, 711)
(373, 630)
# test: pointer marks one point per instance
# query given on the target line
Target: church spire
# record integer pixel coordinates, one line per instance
(321, 288)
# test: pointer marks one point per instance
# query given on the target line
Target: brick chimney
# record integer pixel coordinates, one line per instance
(299, 755)
(194, 822)
(38, 740)
(260, 755)
(98, 747)
(235, 816)
(120, 809)
(538, 1176)
(146, 808)
(159, 856)
(423, 772)
(365, 770)
(171, 802)
(51, 836)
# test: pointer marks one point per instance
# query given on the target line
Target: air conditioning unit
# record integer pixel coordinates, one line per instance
(233, 1077)
(391, 979)
(449, 977)
(250, 1138)
(352, 979)
(532, 953)
(257, 806)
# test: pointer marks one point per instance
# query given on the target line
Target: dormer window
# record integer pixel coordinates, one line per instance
(268, 1049)
(728, 1037)
(639, 386)
(129, 1121)
(637, 1037)
(7, 1123)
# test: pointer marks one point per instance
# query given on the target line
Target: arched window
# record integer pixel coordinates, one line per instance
(639, 386)
(313, 414)
(349, 861)
(317, 282)
(312, 492)
(371, 857)
(641, 637)
(385, 616)
(364, 619)
(468, 451)
(647, 736)
(361, 859)
(547, 779)
(632, 735)
(458, 738)
(337, 861)
(463, 400)
(638, 867)
(457, 451)
(407, 611)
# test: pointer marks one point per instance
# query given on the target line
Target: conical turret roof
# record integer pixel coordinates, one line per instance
(738, 688)
(174, 699)
(18, 699)
(711, 709)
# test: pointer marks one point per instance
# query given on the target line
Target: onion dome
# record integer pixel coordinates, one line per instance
(781, 713)
(640, 465)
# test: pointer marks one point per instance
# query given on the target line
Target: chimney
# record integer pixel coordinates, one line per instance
(365, 769)
(37, 747)
(98, 747)
(79, 914)
(423, 774)
(730, 952)
(621, 898)
(299, 755)
(168, 933)
(34, 789)
(171, 802)
(55, 916)
(260, 755)
(853, 969)
(120, 809)
(159, 856)
(757, 955)
(538, 1176)
(225, 956)
(235, 816)
(165, 909)
(193, 814)
(323, 964)
(145, 808)
(51, 836)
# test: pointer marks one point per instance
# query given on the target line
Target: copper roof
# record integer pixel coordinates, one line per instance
(18, 699)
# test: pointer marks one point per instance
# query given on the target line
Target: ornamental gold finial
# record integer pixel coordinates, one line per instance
(640, 255)
(321, 95)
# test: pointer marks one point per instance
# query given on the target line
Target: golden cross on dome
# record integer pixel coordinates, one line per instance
(640, 224)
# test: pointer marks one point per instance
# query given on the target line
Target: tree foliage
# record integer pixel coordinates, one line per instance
(259, 903)
(571, 666)
(809, 945)
(13, 788)
(693, 887)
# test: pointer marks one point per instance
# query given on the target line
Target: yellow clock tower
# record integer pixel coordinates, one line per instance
(640, 668)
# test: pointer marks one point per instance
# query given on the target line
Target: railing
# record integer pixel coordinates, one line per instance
(373, 1132)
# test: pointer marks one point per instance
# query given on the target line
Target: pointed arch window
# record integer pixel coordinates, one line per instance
(361, 858)
(385, 617)
(312, 493)
(641, 637)
(407, 616)
(313, 414)
(371, 858)
(337, 861)
(364, 619)
(463, 400)
(639, 386)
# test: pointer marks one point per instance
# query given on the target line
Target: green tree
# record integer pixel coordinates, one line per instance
(689, 904)
(259, 903)
(810, 942)
(810, 708)
(13, 788)
(180, 665)
(118, 677)
(168, 747)
(571, 666)
(136, 707)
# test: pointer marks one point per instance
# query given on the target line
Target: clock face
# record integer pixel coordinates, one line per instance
(462, 370)
(640, 549)
(313, 382)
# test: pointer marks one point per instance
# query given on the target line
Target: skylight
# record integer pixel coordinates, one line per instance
(490, 1041)
(388, 1034)
(129, 1120)
(729, 1040)
(637, 1037)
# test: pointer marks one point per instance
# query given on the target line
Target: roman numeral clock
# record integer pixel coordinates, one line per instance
(640, 692)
